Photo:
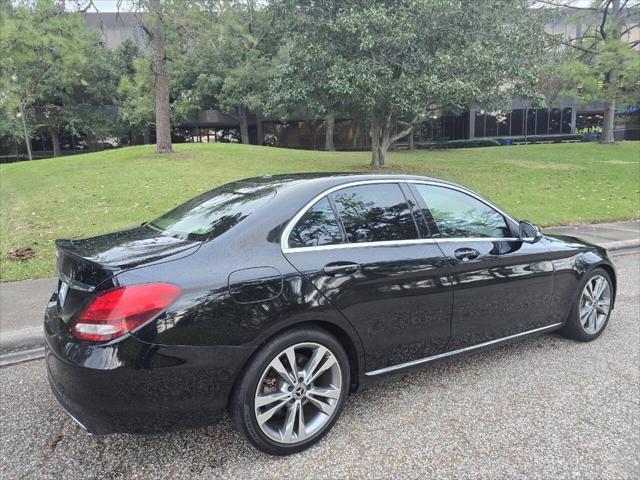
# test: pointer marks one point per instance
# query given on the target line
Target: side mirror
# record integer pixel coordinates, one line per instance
(528, 232)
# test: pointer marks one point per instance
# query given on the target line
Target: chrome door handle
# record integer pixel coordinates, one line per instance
(466, 254)
(341, 268)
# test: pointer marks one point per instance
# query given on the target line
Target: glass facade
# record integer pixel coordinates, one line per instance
(529, 121)
(517, 122)
(449, 127)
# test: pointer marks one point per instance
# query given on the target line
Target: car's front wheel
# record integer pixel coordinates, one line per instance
(292, 392)
(591, 310)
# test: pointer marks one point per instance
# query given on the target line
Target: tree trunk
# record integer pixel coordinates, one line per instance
(610, 78)
(382, 138)
(608, 121)
(328, 135)
(410, 143)
(27, 138)
(259, 130)
(55, 140)
(377, 134)
(244, 126)
(163, 109)
(146, 136)
(356, 134)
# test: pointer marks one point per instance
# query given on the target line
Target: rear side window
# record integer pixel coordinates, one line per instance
(459, 215)
(318, 226)
(375, 213)
(211, 214)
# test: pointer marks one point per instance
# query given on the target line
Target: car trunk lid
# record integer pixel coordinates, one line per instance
(85, 265)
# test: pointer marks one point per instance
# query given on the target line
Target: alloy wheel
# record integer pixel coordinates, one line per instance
(298, 393)
(595, 304)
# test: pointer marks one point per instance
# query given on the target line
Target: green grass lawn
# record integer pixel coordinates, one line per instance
(96, 193)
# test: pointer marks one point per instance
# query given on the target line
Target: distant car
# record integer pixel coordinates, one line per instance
(275, 297)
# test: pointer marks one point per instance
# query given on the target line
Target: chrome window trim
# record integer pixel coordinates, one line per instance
(401, 366)
(284, 239)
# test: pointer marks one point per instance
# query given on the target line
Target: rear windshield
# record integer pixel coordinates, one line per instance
(211, 214)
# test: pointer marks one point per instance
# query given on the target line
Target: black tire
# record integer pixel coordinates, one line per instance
(573, 327)
(242, 403)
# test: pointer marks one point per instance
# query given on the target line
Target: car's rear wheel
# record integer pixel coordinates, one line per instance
(591, 310)
(292, 392)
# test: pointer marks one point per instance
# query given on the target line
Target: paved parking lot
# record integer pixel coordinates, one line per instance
(545, 407)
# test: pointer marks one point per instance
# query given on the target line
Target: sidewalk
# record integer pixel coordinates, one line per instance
(612, 236)
(22, 303)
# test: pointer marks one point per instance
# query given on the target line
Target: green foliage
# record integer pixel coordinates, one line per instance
(229, 67)
(601, 65)
(135, 98)
(55, 68)
(412, 55)
(404, 59)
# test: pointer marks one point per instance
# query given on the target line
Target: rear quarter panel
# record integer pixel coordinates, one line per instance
(211, 312)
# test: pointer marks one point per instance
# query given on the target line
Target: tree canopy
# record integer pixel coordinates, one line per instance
(600, 63)
(404, 59)
(51, 69)
(390, 64)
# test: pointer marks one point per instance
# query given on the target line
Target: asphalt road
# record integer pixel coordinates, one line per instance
(545, 407)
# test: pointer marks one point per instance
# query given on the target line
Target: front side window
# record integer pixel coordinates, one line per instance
(375, 213)
(318, 226)
(459, 215)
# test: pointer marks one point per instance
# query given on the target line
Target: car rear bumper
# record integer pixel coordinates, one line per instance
(135, 387)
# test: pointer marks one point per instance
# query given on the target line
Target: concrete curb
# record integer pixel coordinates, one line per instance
(12, 340)
(622, 245)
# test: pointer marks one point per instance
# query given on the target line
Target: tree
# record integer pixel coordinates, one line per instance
(136, 103)
(51, 69)
(600, 63)
(228, 68)
(246, 45)
(402, 60)
(155, 30)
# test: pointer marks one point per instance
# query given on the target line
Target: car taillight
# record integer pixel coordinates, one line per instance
(120, 310)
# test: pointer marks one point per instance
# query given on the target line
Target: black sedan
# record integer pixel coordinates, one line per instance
(275, 297)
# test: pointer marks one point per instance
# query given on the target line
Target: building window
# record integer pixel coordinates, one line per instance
(555, 120)
(490, 126)
(531, 122)
(479, 128)
(517, 117)
(566, 120)
(542, 122)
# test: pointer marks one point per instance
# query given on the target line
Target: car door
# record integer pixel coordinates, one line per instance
(502, 285)
(360, 246)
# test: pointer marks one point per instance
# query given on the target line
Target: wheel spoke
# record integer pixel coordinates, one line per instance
(290, 421)
(263, 417)
(328, 392)
(584, 316)
(599, 288)
(328, 363)
(325, 408)
(594, 320)
(291, 356)
(313, 362)
(589, 292)
(282, 371)
(264, 400)
(302, 428)
(603, 306)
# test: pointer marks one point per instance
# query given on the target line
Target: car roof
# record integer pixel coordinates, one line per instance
(323, 180)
